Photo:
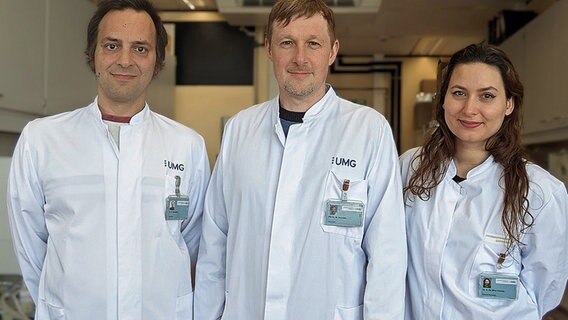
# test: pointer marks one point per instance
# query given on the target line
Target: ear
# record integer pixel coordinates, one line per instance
(333, 53)
(268, 48)
(510, 106)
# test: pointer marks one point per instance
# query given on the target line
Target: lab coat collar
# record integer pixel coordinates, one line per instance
(480, 169)
(322, 106)
(140, 117)
(315, 111)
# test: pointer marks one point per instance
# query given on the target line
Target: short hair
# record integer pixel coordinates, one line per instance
(105, 6)
(284, 11)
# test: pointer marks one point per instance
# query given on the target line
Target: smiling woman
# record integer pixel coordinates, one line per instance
(476, 104)
(475, 203)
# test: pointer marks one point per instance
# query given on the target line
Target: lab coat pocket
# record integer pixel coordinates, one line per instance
(333, 189)
(352, 313)
(488, 254)
(184, 306)
(486, 260)
(53, 312)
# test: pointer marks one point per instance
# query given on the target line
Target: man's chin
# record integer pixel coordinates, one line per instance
(299, 92)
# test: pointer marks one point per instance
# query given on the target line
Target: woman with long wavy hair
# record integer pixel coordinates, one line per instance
(487, 229)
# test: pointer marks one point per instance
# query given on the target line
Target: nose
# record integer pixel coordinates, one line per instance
(124, 58)
(470, 106)
(300, 55)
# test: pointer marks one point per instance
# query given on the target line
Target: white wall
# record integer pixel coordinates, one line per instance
(8, 264)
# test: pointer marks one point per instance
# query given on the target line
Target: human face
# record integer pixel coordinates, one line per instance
(475, 104)
(301, 54)
(125, 58)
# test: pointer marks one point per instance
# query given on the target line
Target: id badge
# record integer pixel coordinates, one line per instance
(344, 213)
(498, 286)
(177, 207)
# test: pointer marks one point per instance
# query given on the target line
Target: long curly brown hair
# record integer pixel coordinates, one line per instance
(432, 161)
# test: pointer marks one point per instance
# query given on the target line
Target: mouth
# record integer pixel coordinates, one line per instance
(470, 124)
(299, 74)
(299, 71)
(123, 76)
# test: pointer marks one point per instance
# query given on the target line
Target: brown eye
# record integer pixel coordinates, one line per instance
(314, 44)
(286, 44)
(458, 93)
(111, 46)
(140, 50)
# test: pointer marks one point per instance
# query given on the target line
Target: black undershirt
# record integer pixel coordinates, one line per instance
(292, 116)
(458, 179)
(288, 118)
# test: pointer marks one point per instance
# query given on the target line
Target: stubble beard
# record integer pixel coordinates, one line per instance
(298, 91)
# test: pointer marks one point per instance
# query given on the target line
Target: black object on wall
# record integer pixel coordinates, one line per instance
(507, 23)
(213, 53)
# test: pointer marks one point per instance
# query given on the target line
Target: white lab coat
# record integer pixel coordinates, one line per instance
(457, 235)
(265, 253)
(88, 220)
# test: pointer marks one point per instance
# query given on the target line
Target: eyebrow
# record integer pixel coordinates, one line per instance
(110, 39)
(138, 42)
(481, 89)
(290, 35)
(489, 88)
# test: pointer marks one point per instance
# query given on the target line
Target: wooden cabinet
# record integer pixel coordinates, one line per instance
(538, 53)
(42, 64)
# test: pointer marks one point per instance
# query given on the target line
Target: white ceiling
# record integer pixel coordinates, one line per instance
(400, 27)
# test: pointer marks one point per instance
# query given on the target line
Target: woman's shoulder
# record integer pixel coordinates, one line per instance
(543, 185)
(539, 175)
(409, 155)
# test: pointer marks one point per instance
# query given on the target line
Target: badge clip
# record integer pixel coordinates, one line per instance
(344, 212)
(177, 206)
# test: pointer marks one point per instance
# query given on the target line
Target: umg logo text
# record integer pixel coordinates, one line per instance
(343, 162)
(174, 166)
